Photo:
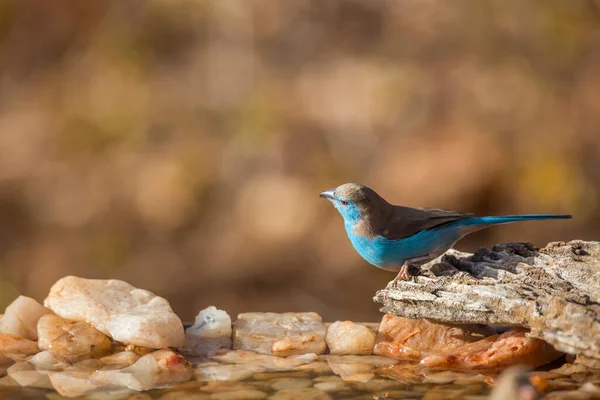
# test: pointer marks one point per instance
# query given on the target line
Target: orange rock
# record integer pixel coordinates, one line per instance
(409, 339)
(498, 351)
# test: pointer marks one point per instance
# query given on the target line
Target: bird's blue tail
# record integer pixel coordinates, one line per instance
(505, 219)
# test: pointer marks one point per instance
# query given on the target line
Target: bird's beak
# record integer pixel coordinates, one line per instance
(328, 194)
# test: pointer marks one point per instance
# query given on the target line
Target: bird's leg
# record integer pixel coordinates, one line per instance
(407, 271)
(411, 268)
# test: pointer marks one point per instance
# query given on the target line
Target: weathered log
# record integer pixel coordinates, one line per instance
(554, 291)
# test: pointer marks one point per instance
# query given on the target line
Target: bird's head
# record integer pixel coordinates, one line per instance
(354, 201)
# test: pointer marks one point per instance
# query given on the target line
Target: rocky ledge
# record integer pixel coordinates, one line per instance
(554, 292)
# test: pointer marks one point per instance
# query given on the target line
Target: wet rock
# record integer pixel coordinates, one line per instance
(21, 317)
(72, 341)
(349, 338)
(248, 394)
(26, 375)
(498, 351)
(47, 361)
(280, 334)
(72, 383)
(119, 310)
(319, 367)
(353, 372)
(122, 359)
(269, 363)
(408, 374)
(224, 386)
(17, 348)
(261, 376)
(211, 331)
(305, 394)
(158, 369)
(290, 383)
(212, 371)
(554, 292)
(410, 339)
(330, 384)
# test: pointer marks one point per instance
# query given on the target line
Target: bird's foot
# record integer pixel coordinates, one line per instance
(407, 272)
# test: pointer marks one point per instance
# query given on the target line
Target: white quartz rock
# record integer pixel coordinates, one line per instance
(211, 331)
(282, 334)
(21, 317)
(119, 310)
(350, 338)
(26, 375)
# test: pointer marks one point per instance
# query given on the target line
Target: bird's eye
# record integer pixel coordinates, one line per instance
(344, 202)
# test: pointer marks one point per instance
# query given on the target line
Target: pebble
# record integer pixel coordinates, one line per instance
(349, 338)
(211, 331)
(290, 383)
(305, 394)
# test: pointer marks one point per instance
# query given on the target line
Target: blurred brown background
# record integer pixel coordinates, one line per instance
(181, 145)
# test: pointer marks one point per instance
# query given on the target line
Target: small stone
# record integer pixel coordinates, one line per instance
(261, 376)
(21, 317)
(26, 375)
(224, 386)
(407, 339)
(351, 359)
(182, 395)
(73, 341)
(290, 383)
(269, 363)
(353, 372)
(376, 385)
(350, 338)
(212, 371)
(211, 331)
(280, 334)
(248, 394)
(122, 359)
(319, 367)
(304, 394)
(119, 310)
(330, 384)
(47, 361)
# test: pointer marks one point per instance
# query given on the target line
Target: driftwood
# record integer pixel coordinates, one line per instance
(554, 291)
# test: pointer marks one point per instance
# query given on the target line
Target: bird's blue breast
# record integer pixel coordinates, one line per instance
(383, 252)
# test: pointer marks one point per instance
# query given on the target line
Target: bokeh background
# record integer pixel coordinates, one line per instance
(181, 145)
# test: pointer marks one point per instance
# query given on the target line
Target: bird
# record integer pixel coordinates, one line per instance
(401, 239)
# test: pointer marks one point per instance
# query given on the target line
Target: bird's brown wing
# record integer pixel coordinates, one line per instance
(404, 222)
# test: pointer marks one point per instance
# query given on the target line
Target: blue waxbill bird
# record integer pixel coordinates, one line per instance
(397, 238)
